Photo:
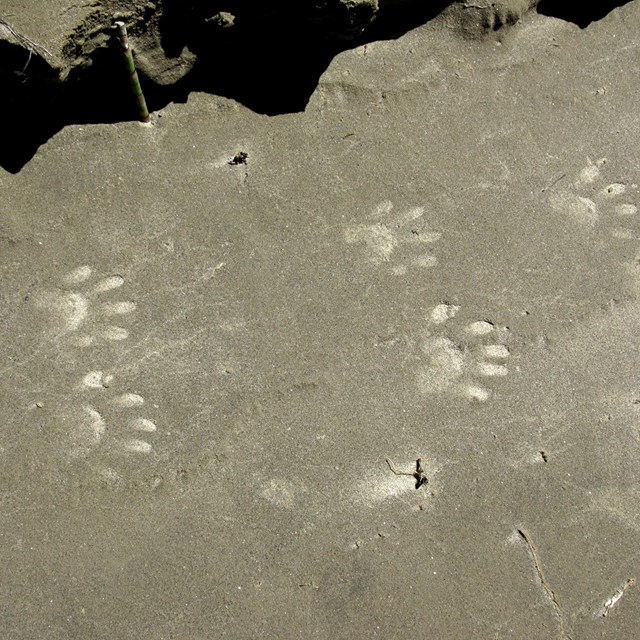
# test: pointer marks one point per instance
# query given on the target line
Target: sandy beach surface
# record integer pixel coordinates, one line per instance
(228, 337)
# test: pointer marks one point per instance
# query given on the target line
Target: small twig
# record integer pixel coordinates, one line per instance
(26, 64)
(554, 183)
(419, 475)
(30, 44)
(543, 581)
(613, 600)
(143, 112)
(394, 470)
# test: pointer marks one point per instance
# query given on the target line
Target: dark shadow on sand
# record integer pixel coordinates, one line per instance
(580, 12)
(270, 66)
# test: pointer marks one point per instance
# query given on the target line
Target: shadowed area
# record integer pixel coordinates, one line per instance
(577, 11)
(271, 63)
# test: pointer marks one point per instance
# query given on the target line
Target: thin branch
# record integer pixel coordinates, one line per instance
(543, 581)
(29, 44)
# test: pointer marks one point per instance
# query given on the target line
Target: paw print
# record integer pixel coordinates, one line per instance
(387, 235)
(83, 415)
(107, 424)
(79, 312)
(460, 359)
(590, 198)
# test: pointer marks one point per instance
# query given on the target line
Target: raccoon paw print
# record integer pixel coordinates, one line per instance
(81, 311)
(592, 201)
(397, 241)
(461, 359)
(105, 429)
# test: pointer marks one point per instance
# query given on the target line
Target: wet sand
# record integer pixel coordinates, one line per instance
(218, 327)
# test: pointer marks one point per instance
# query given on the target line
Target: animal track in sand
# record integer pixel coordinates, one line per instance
(590, 200)
(385, 235)
(460, 359)
(88, 418)
(80, 310)
(106, 422)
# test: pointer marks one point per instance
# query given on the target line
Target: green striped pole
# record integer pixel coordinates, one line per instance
(143, 112)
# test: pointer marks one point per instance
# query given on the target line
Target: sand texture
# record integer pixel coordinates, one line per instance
(227, 338)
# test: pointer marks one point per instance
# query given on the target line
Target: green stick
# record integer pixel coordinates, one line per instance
(143, 112)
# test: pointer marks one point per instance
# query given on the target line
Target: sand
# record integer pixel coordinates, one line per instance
(217, 328)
